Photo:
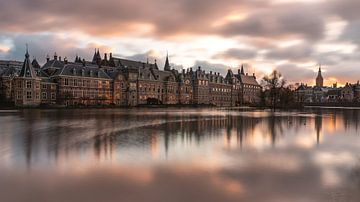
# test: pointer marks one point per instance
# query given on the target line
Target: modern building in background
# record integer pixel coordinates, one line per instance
(120, 82)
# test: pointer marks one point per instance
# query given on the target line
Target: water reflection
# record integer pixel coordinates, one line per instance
(232, 154)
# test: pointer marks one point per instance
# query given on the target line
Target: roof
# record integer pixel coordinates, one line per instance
(79, 70)
(35, 64)
(10, 71)
(130, 63)
(56, 64)
(27, 70)
(246, 79)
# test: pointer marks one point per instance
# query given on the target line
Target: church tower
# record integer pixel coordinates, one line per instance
(167, 64)
(319, 79)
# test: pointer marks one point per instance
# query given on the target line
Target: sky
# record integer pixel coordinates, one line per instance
(292, 36)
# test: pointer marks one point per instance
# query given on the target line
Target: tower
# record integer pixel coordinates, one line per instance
(167, 64)
(242, 70)
(319, 79)
(27, 85)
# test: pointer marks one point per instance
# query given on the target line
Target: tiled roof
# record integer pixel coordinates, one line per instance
(73, 69)
(246, 79)
(27, 70)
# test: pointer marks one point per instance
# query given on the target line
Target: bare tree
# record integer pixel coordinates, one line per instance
(273, 85)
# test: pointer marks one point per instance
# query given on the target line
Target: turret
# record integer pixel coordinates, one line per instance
(27, 69)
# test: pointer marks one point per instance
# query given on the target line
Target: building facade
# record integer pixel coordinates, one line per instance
(121, 82)
(323, 94)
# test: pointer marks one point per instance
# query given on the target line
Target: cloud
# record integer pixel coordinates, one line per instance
(238, 54)
(221, 68)
(132, 28)
(299, 52)
(63, 46)
(284, 21)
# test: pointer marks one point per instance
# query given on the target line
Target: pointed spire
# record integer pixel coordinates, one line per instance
(27, 51)
(167, 64)
(94, 57)
(27, 69)
(156, 66)
(242, 70)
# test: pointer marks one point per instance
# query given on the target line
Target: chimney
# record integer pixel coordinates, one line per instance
(59, 58)
(239, 71)
(65, 60)
(55, 56)
(210, 72)
(183, 71)
(83, 62)
(105, 56)
(110, 55)
(47, 58)
(199, 68)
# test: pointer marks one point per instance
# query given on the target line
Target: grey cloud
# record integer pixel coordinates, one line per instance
(41, 45)
(298, 52)
(294, 73)
(280, 22)
(221, 68)
(235, 53)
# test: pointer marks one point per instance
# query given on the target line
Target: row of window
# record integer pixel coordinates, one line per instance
(29, 95)
(86, 83)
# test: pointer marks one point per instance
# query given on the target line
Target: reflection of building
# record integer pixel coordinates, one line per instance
(121, 82)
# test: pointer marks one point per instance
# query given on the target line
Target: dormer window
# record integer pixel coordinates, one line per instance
(74, 71)
(82, 72)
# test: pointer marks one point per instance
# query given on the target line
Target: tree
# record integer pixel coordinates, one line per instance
(273, 85)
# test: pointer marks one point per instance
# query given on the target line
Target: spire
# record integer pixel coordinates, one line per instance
(27, 52)
(167, 64)
(156, 66)
(27, 69)
(242, 70)
(94, 57)
(319, 78)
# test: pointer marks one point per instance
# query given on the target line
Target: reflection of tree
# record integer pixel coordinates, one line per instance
(275, 126)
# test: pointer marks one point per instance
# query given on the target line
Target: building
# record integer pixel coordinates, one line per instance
(320, 94)
(121, 82)
(319, 79)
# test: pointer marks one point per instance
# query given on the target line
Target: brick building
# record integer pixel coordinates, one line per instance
(121, 82)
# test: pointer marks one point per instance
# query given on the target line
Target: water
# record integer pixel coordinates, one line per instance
(180, 155)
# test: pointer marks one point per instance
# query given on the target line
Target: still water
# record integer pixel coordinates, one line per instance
(156, 155)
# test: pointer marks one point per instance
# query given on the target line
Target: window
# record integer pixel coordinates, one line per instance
(19, 95)
(28, 84)
(43, 86)
(44, 95)
(37, 96)
(28, 95)
(66, 82)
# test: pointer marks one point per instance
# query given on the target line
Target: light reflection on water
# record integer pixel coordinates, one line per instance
(180, 155)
